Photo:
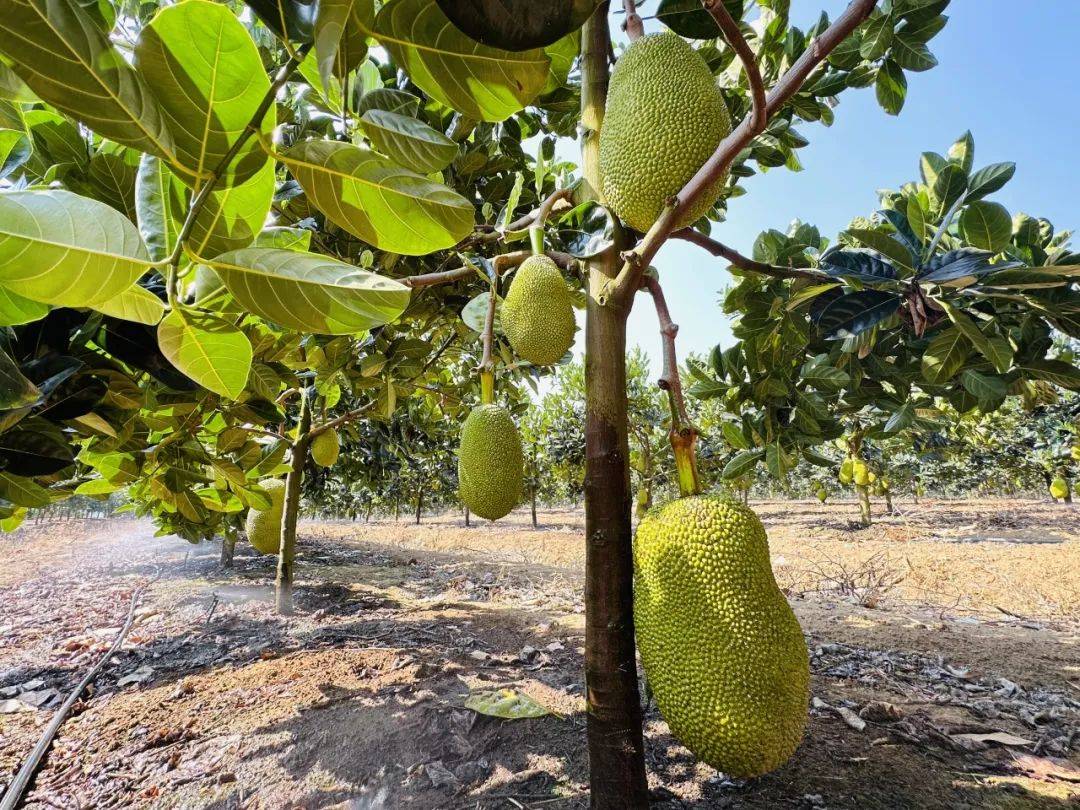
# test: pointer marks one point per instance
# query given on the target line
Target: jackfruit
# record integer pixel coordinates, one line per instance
(264, 527)
(722, 649)
(1059, 488)
(325, 448)
(859, 473)
(845, 473)
(665, 117)
(490, 462)
(1074, 452)
(822, 494)
(537, 315)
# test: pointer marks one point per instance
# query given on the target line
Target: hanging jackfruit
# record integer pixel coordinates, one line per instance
(822, 494)
(1059, 488)
(846, 471)
(722, 649)
(537, 314)
(264, 526)
(490, 462)
(665, 116)
(325, 448)
(860, 473)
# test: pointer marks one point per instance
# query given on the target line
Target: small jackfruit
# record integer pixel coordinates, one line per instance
(722, 649)
(1059, 488)
(822, 494)
(846, 471)
(325, 448)
(1074, 452)
(537, 314)
(490, 462)
(665, 117)
(264, 526)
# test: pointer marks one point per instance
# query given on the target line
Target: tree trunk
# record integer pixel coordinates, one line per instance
(534, 507)
(888, 501)
(228, 546)
(419, 504)
(616, 749)
(467, 523)
(397, 509)
(293, 481)
(864, 505)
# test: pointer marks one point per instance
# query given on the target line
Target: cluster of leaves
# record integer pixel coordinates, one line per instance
(941, 296)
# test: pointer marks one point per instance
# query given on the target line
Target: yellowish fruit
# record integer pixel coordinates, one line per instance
(722, 649)
(1059, 488)
(325, 448)
(822, 494)
(264, 526)
(490, 462)
(537, 314)
(665, 117)
(859, 473)
(845, 471)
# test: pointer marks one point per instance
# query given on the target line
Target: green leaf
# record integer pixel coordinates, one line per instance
(891, 87)
(285, 238)
(66, 59)
(742, 463)
(962, 153)
(377, 200)
(96, 486)
(309, 292)
(15, 149)
(916, 218)
(134, 304)
(330, 22)
(160, 202)
(734, 436)
(911, 54)
(989, 179)
(507, 704)
(23, 491)
(484, 83)
(208, 78)
(902, 419)
(49, 254)
(408, 142)
(1058, 372)
(877, 35)
(885, 245)
(990, 391)
(945, 356)
(206, 348)
(986, 225)
(232, 217)
(950, 185)
(390, 100)
(15, 390)
(15, 309)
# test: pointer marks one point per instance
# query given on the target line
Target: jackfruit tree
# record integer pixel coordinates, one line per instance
(306, 217)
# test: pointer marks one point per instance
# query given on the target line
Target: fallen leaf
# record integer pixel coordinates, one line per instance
(851, 718)
(505, 703)
(999, 737)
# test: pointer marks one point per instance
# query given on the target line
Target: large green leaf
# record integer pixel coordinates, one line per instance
(485, 83)
(66, 59)
(63, 249)
(374, 198)
(209, 80)
(160, 202)
(742, 463)
(1057, 372)
(208, 349)
(15, 149)
(15, 309)
(408, 142)
(339, 41)
(136, 304)
(986, 225)
(308, 292)
(945, 356)
(232, 217)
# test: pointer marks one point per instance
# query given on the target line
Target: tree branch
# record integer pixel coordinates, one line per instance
(732, 33)
(629, 278)
(502, 262)
(745, 262)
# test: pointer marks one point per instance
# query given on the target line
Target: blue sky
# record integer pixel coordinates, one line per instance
(1008, 75)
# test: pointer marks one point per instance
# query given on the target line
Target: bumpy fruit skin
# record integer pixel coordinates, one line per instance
(722, 649)
(1059, 488)
(325, 448)
(537, 314)
(860, 474)
(490, 462)
(665, 116)
(264, 528)
(822, 494)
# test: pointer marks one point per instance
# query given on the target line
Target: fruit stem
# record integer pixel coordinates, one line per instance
(536, 239)
(487, 387)
(684, 445)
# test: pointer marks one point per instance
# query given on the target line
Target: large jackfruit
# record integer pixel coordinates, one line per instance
(722, 649)
(490, 462)
(665, 116)
(537, 314)
(264, 527)
(325, 448)
(1059, 488)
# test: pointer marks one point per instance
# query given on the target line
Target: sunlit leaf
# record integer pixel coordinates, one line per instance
(408, 142)
(134, 304)
(208, 349)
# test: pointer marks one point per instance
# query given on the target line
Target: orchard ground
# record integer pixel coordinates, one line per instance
(944, 641)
